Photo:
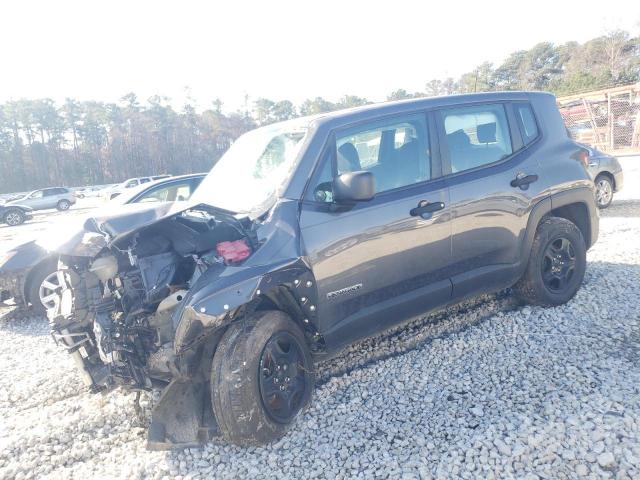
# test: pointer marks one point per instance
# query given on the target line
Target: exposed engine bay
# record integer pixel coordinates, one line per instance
(147, 293)
(116, 313)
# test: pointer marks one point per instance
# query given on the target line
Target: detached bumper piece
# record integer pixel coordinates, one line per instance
(183, 417)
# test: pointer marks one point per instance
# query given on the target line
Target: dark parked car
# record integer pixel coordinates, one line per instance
(312, 234)
(29, 273)
(606, 173)
(15, 214)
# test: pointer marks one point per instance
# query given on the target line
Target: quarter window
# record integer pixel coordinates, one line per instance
(527, 123)
(476, 136)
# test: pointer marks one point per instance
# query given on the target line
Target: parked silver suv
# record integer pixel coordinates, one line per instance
(57, 197)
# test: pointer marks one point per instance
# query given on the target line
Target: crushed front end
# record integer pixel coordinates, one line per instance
(116, 312)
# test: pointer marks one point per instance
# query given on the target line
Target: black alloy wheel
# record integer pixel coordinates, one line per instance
(558, 264)
(282, 379)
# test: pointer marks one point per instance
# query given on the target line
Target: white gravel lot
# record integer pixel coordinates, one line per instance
(487, 389)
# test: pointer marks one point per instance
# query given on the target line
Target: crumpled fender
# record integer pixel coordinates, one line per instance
(216, 302)
(218, 296)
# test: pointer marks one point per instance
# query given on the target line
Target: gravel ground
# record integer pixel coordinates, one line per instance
(486, 389)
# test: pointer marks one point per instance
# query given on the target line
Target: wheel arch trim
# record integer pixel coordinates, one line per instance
(551, 204)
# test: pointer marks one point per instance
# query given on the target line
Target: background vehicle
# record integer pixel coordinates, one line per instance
(30, 272)
(14, 215)
(607, 175)
(346, 223)
(57, 197)
(131, 183)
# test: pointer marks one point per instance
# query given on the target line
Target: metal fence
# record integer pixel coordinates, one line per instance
(607, 119)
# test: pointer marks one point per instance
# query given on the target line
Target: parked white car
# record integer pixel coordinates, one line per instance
(130, 183)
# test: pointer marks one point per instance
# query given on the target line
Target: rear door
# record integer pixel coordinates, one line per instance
(51, 197)
(491, 170)
(378, 262)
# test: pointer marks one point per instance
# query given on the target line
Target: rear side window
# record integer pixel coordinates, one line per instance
(476, 136)
(526, 122)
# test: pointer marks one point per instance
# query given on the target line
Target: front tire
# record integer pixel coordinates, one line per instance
(261, 378)
(556, 265)
(63, 205)
(604, 191)
(14, 218)
(43, 285)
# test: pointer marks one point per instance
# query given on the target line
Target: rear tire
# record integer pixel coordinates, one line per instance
(14, 217)
(63, 205)
(556, 265)
(261, 378)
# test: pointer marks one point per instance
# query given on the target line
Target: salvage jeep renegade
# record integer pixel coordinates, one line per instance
(311, 234)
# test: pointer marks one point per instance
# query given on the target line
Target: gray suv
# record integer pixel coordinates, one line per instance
(312, 234)
(58, 197)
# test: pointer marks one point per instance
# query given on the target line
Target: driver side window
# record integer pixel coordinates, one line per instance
(396, 151)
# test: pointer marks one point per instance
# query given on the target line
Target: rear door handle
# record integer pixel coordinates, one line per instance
(523, 180)
(425, 209)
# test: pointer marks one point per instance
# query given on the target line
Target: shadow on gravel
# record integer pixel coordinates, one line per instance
(457, 318)
(622, 209)
(622, 282)
(414, 333)
(22, 321)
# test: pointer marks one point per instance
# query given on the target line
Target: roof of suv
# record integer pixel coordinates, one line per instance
(399, 106)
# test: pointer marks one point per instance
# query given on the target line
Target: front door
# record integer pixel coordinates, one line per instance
(36, 200)
(382, 261)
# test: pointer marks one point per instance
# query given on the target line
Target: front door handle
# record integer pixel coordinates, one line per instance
(425, 209)
(523, 180)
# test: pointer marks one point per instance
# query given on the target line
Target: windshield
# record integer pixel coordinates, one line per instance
(250, 173)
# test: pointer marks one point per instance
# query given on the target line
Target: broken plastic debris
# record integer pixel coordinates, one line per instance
(233, 252)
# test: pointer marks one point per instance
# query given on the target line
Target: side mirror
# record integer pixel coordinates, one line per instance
(354, 187)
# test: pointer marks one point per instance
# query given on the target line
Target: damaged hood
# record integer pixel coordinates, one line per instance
(87, 235)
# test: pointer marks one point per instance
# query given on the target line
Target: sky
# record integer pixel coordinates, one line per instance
(278, 49)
